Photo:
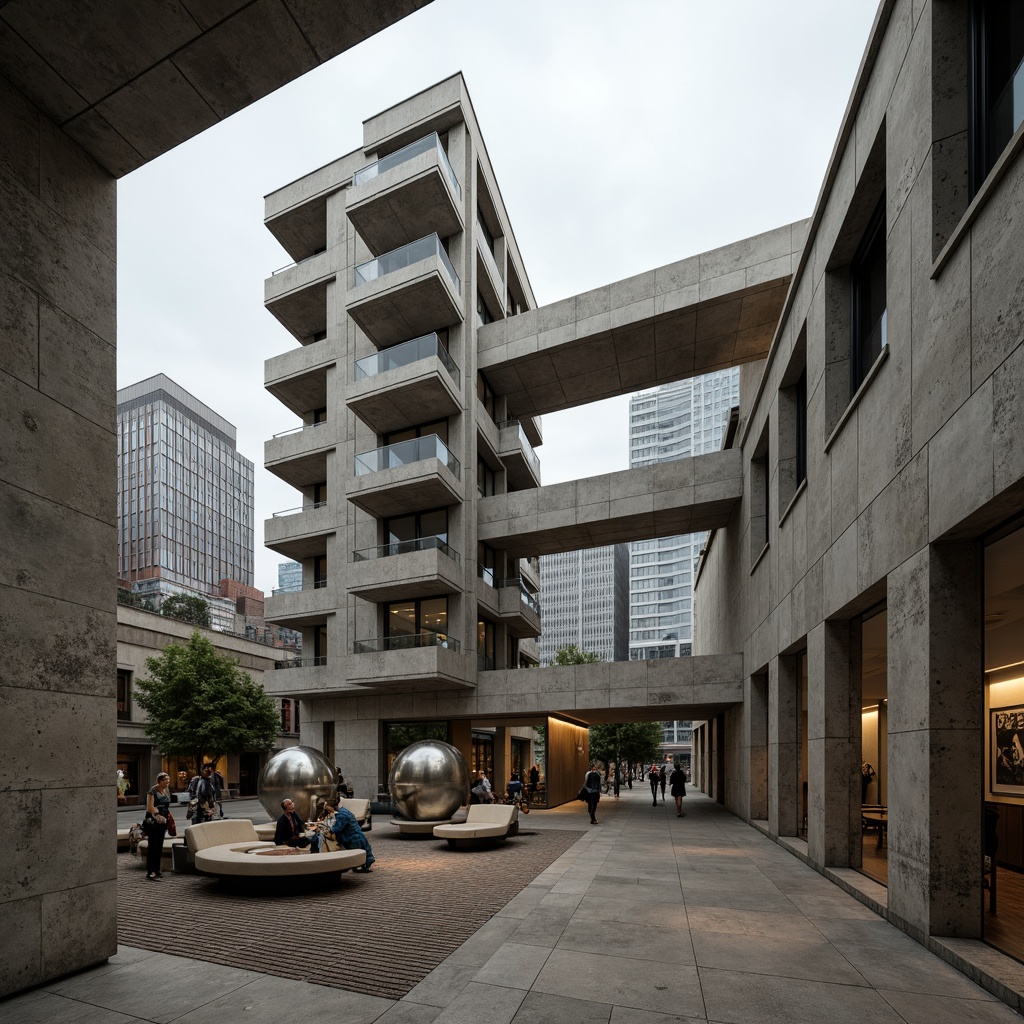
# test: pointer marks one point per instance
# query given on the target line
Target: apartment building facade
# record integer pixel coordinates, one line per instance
(584, 600)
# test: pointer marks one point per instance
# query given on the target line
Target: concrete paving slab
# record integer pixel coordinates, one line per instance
(916, 1008)
(514, 965)
(483, 1004)
(542, 1008)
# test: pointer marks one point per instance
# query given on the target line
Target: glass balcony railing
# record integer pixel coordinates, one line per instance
(486, 574)
(403, 155)
(301, 508)
(405, 642)
(402, 547)
(531, 456)
(405, 453)
(301, 427)
(404, 355)
(528, 597)
(484, 663)
(317, 585)
(405, 256)
(317, 662)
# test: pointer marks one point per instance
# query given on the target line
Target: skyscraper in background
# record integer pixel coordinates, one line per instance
(184, 497)
(584, 600)
(675, 421)
(289, 577)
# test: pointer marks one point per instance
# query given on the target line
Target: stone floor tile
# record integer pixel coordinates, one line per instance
(41, 1007)
(631, 1015)
(631, 940)
(623, 911)
(270, 1000)
(542, 1008)
(916, 1008)
(877, 933)
(482, 946)
(911, 970)
(732, 997)
(781, 956)
(442, 985)
(542, 927)
(407, 1013)
(483, 1004)
(514, 965)
(668, 988)
(750, 922)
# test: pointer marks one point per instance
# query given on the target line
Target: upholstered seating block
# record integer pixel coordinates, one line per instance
(484, 821)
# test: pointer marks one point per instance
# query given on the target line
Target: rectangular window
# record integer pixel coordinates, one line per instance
(485, 393)
(800, 412)
(485, 645)
(868, 308)
(407, 618)
(996, 102)
(124, 695)
(485, 563)
(485, 479)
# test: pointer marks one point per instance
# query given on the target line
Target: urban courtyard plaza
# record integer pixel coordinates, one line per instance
(645, 918)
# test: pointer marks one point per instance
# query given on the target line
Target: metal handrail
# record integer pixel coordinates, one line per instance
(405, 641)
(527, 596)
(317, 585)
(297, 263)
(301, 427)
(403, 155)
(301, 508)
(405, 256)
(404, 453)
(528, 452)
(402, 547)
(406, 354)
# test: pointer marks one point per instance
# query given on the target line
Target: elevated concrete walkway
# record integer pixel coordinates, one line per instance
(686, 496)
(705, 313)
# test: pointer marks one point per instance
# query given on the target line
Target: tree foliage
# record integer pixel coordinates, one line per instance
(572, 655)
(201, 705)
(638, 742)
(187, 608)
(133, 599)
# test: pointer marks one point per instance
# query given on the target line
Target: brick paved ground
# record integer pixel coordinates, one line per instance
(378, 934)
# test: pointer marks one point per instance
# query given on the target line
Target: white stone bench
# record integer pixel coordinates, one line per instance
(425, 829)
(491, 822)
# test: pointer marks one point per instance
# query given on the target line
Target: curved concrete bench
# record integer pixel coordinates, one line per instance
(483, 822)
(165, 853)
(242, 860)
(425, 829)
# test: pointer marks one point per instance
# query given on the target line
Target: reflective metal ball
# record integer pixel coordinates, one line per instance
(301, 774)
(429, 781)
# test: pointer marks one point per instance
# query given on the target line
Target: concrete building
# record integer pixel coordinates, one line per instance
(184, 497)
(144, 634)
(675, 421)
(584, 600)
(289, 577)
(72, 124)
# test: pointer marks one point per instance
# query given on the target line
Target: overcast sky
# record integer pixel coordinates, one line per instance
(623, 137)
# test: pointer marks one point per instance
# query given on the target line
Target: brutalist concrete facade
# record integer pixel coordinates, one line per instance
(86, 96)
(908, 469)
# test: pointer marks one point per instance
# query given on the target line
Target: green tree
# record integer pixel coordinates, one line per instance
(627, 743)
(187, 608)
(201, 705)
(133, 599)
(572, 655)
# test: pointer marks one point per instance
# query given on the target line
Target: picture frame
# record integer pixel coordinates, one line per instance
(1006, 745)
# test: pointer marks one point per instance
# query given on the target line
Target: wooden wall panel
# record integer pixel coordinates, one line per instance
(568, 755)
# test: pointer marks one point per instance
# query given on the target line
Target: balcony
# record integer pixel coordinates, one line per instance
(297, 295)
(405, 195)
(408, 476)
(521, 461)
(489, 279)
(418, 374)
(518, 607)
(309, 677)
(406, 292)
(424, 567)
(299, 533)
(297, 608)
(298, 378)
(299, 456)
(426, 659)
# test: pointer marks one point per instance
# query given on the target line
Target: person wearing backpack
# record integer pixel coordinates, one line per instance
(653, 778)
(202, 797)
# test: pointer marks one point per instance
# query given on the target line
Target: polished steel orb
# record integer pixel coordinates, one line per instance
(301, 774)
(429, 781)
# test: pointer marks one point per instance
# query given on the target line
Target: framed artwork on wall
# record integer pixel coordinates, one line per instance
(1006, 732)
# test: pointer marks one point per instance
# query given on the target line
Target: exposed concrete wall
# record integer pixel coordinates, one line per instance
(57, 566)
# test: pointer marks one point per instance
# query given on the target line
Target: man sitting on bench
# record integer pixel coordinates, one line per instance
(291, 829)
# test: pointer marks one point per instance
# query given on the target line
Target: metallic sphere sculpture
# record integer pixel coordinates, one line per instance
(302, 774)
(429, 781)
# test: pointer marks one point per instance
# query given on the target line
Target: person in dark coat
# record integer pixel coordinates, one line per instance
(662, 779)
(677, 781)
(592, 785)
(291, 829)
(652, 777)
(340, 830)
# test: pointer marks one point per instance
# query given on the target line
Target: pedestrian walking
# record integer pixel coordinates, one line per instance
(678, 783)
(202, 797)
(652, 777)
(591, 792)
(662, 779)
(218, 788)
(158, 807)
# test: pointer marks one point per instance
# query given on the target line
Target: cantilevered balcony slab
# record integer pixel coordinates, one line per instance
(517, 454)
(299, 457)
(709, 312)
(519, 609)
(377, 575)
(298, 377)
(427, 668)
(404, 196)
(420, 296)
(310, 677)
(686, 496)
(300, 533)
(298, 608)
(618, 691)
(382, 395)
(297, 295)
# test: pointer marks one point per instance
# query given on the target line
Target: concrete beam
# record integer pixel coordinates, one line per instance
(686, 496)
(708, 312)
(131, 81)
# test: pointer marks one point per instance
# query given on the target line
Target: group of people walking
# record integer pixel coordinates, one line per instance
(658, 777)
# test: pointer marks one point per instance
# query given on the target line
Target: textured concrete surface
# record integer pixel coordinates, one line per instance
(646, 919)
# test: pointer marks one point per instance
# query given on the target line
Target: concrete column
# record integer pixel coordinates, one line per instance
(783, 747)
(357, 742)
(719, 771)
(58, 268)
(935, 717)
(502, 759)
(462, 738)
(833, 744)
(755, 739)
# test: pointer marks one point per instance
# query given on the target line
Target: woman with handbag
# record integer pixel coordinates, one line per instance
(158, 809)
(591, 792)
